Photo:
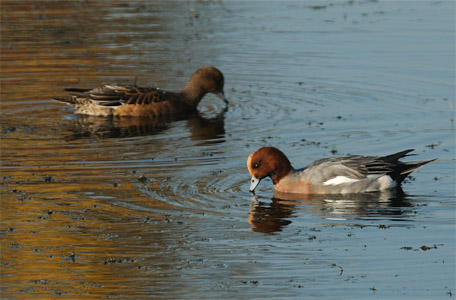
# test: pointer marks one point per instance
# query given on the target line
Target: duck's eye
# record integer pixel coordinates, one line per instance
(257, 165)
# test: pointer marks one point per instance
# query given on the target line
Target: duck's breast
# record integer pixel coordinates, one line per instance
(295, 183)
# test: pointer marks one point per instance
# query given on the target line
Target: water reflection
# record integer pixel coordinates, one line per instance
(77, 220)
(274, 216)
(207, 130)
(270, 217)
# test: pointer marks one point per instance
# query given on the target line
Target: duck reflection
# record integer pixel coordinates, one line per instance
(273, 216)
(206, 130)
(270, 217)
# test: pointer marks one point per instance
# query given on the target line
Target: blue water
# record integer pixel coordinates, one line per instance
(99, 208)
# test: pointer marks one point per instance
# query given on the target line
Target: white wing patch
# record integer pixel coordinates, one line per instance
(378, 183)
(339, 180)
(385, 182)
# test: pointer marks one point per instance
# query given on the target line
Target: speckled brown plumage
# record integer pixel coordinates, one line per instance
(119, 100)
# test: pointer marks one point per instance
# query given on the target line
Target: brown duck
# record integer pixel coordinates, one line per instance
(134, 101)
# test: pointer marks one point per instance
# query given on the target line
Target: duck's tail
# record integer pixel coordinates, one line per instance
(400, 170)
(72, 98)
(393, 158)
(407, 168)
(67, 100)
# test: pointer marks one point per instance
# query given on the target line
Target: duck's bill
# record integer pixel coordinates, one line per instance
(253, 183)
(221, 95)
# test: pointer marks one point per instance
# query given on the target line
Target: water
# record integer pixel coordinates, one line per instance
(95, 208)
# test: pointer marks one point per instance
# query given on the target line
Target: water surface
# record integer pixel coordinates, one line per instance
(97, 208)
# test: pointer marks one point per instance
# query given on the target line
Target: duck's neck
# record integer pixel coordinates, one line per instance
(192, 95)
(280, 173)
(282, 169)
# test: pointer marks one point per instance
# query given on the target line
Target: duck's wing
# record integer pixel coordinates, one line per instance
(341, 170)
(116, 95)
(357, 167)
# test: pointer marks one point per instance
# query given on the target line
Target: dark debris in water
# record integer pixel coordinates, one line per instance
(314, 124)
(251, 282)
(112, 260)
(424, 247)
(22, 196)
(407, 248)
(14, 129)
(306, 142)
(340, 268)
(11, 129)
(143, 178)
(39, 281)
(16, 246)
(48, 178)
(432, 145)
(317, 7)
(216, 173)
(148, 219)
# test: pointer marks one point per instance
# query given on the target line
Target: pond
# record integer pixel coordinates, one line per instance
(93, 207)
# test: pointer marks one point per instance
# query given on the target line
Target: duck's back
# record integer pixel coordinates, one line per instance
(354, 174)
(118, 100)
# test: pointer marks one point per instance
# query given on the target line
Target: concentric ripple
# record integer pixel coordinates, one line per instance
(132, 208)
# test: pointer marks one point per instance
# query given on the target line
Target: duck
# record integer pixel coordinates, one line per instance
(134, 101)
(351, 174)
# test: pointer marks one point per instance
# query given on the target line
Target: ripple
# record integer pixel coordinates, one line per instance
(92, 206)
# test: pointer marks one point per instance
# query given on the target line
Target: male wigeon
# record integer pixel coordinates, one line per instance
(342, 175)
(134, 101)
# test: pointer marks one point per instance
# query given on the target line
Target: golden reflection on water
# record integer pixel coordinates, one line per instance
(67, 225)
(62, 43)
(74, 243)
(129, 208)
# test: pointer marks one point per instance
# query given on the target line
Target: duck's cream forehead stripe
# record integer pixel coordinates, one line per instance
(249, 162)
